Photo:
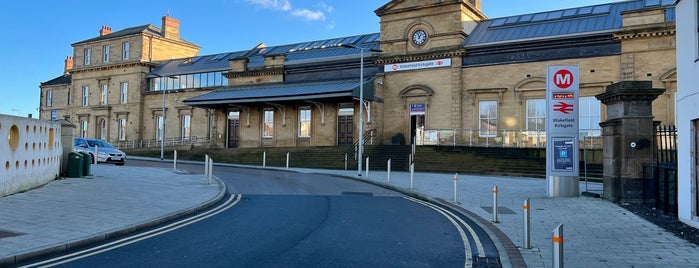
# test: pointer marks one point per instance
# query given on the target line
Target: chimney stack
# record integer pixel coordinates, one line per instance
(171, 28)
(105, 30)
(68, 64)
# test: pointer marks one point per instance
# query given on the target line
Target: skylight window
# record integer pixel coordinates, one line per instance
(601, 9)
(219, 57)
(570, 12)
(498, 22)
(191, 60)
(584, 10)
(554, 15)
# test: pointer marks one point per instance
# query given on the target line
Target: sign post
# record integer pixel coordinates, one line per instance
(562, 160)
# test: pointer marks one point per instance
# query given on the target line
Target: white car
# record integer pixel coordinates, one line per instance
(106, 152)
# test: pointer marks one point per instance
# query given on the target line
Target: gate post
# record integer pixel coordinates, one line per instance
(627, 138)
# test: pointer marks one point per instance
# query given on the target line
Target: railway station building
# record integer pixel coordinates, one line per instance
(435, 72)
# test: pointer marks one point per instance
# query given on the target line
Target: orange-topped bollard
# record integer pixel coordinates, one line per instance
(527, 226)
(557, 239)
(456, 195)
(495, 204)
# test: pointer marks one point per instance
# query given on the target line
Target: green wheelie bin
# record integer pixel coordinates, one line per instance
(75, 165)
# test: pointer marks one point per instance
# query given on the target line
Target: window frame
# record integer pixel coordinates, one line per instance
(125, 50)
(86, 96)
(186, 123)
(158, 127)
(305, 118)
(540, 103)
(585, 111)
(124, 92)
(105, 53)
(122, 129)
(268, 123)
(86, 54)
(487, 133)
(49, 98)
(104, 95)
(83, 128)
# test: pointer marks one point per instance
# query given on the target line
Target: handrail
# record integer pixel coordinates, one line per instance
(368, 135)
(521, 138)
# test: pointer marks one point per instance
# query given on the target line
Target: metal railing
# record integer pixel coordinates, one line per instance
(155, 143)
(521, 138)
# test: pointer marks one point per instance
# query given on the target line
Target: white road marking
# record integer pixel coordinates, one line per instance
(453, 218)
(232, 201)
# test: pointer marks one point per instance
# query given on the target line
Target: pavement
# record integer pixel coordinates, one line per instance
(68, 213)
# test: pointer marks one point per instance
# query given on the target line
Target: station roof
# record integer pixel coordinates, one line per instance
(312, 51)
(275, 92)
(580, 21)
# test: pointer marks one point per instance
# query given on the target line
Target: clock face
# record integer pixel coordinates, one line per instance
(419, 37)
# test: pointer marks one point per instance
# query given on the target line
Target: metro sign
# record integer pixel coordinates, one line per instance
(563, 78)
(562, 91)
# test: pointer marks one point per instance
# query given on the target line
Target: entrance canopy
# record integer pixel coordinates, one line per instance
(341, 90)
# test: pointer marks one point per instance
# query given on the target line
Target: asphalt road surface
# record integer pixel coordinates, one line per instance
(287, 219)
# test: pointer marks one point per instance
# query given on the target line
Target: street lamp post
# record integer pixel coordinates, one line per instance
(361, 102)
(162, 129)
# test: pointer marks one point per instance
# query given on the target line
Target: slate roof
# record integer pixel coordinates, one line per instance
(61, 80)
(282, 92)
(146, 29)
(580, 21)
(312, 51)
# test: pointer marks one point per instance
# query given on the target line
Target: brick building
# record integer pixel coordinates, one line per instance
(445, 74)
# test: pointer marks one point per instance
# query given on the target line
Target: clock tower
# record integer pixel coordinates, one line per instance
(409, 26)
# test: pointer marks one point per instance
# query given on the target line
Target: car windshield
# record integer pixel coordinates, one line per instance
(99, 143)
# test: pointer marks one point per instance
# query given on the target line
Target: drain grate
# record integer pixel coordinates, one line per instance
(501, 210)
(486, 262)
(6, 233)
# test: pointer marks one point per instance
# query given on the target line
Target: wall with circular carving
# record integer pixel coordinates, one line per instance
(30, 155)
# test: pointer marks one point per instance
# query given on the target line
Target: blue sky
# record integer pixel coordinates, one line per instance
(37, 34)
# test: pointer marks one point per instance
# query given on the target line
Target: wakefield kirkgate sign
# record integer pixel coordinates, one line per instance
(562, 161)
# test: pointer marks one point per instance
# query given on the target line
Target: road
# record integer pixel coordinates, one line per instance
(286, 219)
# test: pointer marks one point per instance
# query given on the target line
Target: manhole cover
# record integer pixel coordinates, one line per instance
(6, 233)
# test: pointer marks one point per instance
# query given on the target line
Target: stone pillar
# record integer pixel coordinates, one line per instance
(627, 138)
(67, 129)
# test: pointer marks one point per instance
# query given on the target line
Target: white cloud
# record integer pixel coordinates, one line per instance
(309, 14)
(283, 5)
(330, 25)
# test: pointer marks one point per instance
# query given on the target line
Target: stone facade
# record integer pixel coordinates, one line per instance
(642, 49)
(132, 53)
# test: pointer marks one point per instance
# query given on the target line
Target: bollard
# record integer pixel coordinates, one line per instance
(367, 167)
(94, 159)
(345, 161)
(174, 161)
(456, 195)
(264, 159)
(388, 171)
(557, 240)
(287, 160)
(495, 204)
(410, 158)
(206, 165)
(211, 169)
(412, 175)
(527, 226)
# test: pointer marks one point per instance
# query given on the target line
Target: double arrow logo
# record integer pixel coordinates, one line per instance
(563, 107)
